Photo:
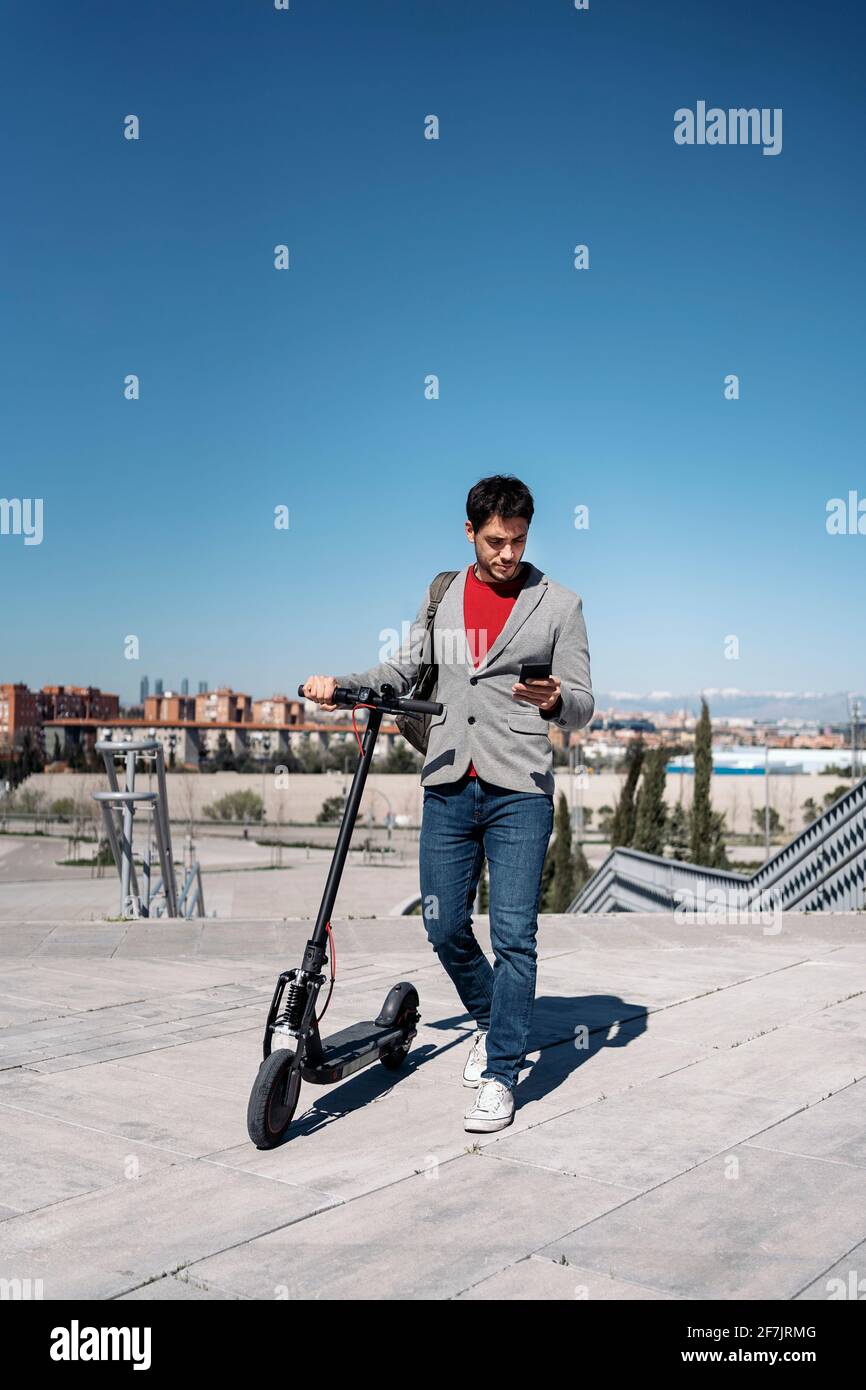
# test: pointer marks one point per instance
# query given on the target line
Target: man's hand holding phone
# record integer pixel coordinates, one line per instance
(537, 685)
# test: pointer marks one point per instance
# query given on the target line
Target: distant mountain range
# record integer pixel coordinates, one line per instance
(825, 707)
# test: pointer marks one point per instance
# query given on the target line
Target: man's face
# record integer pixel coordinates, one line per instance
(499, 546)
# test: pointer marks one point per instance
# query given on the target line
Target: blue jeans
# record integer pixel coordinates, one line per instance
(462, 822)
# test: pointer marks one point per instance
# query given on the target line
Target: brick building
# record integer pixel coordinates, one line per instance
(75, 702)
(279, 709)
(169, 708)
(223, 706)
(19, 714)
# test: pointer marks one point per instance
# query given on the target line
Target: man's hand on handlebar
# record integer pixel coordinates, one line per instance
(321, 689)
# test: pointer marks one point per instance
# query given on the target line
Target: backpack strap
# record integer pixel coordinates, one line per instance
(437, 592)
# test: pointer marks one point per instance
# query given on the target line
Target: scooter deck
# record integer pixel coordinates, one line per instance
(349, 1050)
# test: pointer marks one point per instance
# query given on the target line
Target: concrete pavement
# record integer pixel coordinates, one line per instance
(709, 1140)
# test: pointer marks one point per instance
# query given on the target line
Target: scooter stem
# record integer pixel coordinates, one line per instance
(315, 949)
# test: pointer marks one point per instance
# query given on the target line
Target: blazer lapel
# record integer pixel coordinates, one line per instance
(450, 641)
(527, 600)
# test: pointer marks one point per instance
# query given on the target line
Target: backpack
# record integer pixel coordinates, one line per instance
(415, 728)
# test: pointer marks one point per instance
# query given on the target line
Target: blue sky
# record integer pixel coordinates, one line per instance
(305, 387)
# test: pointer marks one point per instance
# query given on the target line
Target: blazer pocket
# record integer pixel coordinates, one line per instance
(527, 724)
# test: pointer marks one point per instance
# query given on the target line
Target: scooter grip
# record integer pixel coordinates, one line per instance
(408, 706)
(341, 696)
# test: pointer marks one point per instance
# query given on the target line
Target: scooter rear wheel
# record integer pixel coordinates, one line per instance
(273, 1099)
(395, 1056)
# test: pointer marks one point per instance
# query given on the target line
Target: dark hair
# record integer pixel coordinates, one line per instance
(500, 495)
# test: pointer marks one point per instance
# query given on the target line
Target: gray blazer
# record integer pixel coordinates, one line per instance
(506, 739)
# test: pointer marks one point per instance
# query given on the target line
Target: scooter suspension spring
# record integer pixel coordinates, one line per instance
(295, 1003)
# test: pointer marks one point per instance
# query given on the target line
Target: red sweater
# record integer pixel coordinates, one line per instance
(485, 612)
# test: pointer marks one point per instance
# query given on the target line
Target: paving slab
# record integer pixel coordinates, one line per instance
(834, 1130)
(843, 1282)
(43, 1161)
(618, 1139)
(109, 1243)
(747, 1223)
(538, 1278)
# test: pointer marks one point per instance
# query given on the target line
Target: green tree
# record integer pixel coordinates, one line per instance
(582, 870)
(75, 758)
(547, 880)
(28, 801)
(678, 833)
(310, 758)
(701, 817)
(758, 818)
(623, 823)
(224, 759)
(810, 810)
(331, 810)
(651, 812)
(605, 820)
(834, 796)
(30, 757)
(400, 758)
(236, 806)
(718, 856)
(557, 875)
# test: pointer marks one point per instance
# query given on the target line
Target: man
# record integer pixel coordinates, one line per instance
(488, 773)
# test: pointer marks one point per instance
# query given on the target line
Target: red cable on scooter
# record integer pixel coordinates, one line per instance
(333, 970)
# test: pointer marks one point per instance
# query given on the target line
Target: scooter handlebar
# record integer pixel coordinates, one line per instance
(388, 701)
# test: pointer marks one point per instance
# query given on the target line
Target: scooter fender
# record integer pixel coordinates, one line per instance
(396, 1000)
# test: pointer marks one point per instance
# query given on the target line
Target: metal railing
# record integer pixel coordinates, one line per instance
(119, 806)
(822, 869)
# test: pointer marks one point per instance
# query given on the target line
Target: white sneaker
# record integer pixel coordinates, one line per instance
(477, 1060)
(493, 1108)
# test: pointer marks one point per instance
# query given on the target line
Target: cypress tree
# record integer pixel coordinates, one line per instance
(547, 880)
(562, 891)
(623, 823)
(651, 814)
(701, 819)
(678, 832)
(718, 856)
(582, 870)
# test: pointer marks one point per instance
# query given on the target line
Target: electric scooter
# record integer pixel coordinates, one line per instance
(388, 1037)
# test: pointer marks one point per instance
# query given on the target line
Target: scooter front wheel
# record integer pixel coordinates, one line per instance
(273, 1099)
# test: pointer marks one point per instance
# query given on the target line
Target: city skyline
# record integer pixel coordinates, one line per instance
(728, 706)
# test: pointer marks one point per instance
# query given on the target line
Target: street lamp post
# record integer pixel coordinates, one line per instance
(766, 800)
(266, 746)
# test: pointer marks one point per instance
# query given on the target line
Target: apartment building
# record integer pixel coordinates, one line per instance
(279, 709)
(75, 702)
(19, 714)
(170, 708)
(223, 706)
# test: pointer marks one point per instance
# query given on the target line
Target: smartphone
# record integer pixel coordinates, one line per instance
(534, 671)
